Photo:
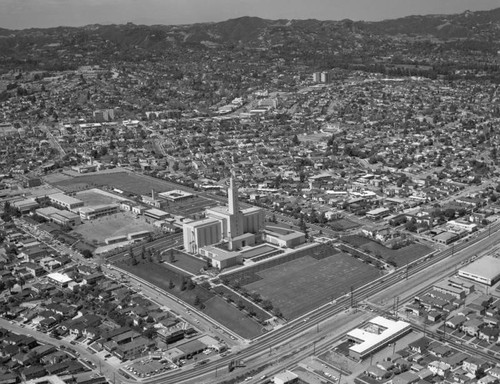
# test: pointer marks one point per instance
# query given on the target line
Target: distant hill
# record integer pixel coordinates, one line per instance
(476, 25)
(254, 32)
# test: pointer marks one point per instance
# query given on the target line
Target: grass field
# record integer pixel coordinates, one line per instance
(217, 308)
(190, 206)
(161, 275)
(124, 181)
(184, 261)
(342, 224)
(401, 256)
(91, 198)
(261, 314)
(110, 226)
(302, 285)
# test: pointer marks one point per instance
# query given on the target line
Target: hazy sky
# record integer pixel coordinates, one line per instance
(19, 14)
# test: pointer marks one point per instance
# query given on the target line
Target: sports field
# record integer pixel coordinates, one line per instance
(131, 183)
(303, 284)
(91, 198)
(127, 182)
(118, 224)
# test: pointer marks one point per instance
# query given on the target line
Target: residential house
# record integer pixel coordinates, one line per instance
(439, 368)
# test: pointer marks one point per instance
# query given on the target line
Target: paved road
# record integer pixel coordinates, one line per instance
(106, 369)
(405, 289)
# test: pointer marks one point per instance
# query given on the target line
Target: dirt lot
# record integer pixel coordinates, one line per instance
(122, 223)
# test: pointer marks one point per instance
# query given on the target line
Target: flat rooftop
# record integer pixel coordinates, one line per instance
(487, 267)
(59, 277)
(375, 333)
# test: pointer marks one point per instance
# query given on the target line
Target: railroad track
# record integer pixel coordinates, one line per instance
(295, 328)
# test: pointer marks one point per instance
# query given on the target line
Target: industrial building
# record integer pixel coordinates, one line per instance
(375, 335)
(485, 270)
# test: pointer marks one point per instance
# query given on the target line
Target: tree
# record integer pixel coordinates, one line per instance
(134, 261)
(183, 283)
(9, 284)
(171, 285)
(149, 333)
(277, 312)
(267, 305)
(241, 304)
(197, 300)
(87, 254)
(295, 140)
(143, 253)
(171, 257)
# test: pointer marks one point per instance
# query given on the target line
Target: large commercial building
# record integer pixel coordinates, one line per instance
(229, 224)
(375, 335)
(486, 270)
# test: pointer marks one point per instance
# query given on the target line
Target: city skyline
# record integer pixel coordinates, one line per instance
(16, 14)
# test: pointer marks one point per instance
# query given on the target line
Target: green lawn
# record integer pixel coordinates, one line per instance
(230, 316)
(215, 307)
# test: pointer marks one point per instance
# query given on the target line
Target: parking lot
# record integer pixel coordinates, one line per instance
(149, 367)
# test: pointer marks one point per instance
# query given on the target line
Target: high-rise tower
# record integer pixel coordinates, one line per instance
(232, 196)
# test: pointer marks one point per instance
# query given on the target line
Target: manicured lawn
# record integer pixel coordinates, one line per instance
(303, 284)
(160, 275)
(215, 307)
(401, 256)
(184, 261)
(228, 315)
(261, 314)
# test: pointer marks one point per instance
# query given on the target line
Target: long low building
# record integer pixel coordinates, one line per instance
(59, 216)
(65, 201)
(375, 335)
(92, 213)
(485, 270)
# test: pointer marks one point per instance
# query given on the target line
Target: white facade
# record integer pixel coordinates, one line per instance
(198, 234)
